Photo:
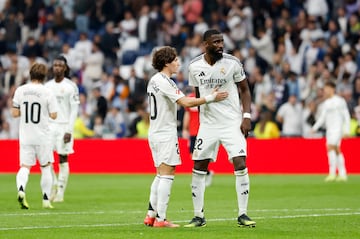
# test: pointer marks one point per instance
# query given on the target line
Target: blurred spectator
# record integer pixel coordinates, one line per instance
(266, 128)
(192, 10)
(81, 131)
(137, 91)
(263, 45)
(120, 93)
(115, 123)
(83, 47)
(109, 45)
(142, 126)
(5, 130)
(82, 10)
(12, 28)
(93, 67)
(289, 116)
(100, 107)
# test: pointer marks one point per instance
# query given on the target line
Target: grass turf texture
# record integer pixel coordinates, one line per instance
(113, 206)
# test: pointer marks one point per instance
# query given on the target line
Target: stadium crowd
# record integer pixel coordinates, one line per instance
(289, 49)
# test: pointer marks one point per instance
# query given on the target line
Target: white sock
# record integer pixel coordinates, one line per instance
(46, 182)
(242, 184)
(153, 196)
(63, 178)
(22, 178)
(340, 161)
(54, 178)
(198, 192)
(164, 190)
(332, 162)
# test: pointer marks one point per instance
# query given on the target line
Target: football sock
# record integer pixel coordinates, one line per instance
(153, 196)
(54, 178)
(63, 177)
(340, 161)
(164, 190)
(46, 181)
(198, 192)
(242, 184)
(332, 162)
(22, 178)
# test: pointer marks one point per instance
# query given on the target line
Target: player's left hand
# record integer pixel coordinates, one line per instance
(245, 127)
(67, 137)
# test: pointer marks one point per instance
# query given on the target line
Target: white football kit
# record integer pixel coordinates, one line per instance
(220, 121)
(67, 95)
(35, 103)
(335, 117)
(162, 95)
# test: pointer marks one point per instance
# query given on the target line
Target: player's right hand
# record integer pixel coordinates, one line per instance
(219, 96)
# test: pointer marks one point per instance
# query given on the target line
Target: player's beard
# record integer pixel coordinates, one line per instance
(216, 54)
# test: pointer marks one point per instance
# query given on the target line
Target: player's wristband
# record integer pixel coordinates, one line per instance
(210, 98)
(247, 116)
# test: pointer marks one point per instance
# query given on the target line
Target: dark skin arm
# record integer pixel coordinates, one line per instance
(245, 96)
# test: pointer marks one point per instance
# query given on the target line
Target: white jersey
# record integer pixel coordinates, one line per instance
(225, 73)
(163, 94)
(67, 95)
(35, 102)
(335, 115)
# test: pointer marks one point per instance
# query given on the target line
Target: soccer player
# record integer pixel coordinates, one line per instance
(220, 123)
(62, 127)
(163, 97)
(335, 117)
(34, 104)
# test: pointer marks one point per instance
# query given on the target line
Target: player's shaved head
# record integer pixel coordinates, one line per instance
(210, 33)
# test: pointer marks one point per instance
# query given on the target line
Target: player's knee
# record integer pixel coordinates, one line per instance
(239, 163)
(201, 165)
(63, 158)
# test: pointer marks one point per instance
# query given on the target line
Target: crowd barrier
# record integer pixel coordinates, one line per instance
(279, 156)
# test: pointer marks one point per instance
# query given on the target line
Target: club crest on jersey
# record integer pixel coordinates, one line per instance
(222, 71)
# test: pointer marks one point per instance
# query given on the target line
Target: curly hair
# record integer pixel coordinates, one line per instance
(163, 56)
(38, 72)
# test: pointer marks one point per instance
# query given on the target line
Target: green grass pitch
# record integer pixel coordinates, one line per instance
(113, 206)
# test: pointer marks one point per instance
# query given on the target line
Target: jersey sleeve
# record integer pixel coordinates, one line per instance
(239, 72)
(192, 79)
(74, 99)
(16, 100)
(171, 90)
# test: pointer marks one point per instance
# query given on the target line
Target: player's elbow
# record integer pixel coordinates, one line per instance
(53, 115)
(15, 112)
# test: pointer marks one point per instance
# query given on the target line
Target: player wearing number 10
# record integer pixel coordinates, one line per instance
(34, 103)
(164, 95)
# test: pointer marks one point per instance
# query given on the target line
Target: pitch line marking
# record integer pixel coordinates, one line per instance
(213, 220)
(136, 212)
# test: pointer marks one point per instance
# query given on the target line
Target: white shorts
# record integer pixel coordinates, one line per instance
(165, 152)
(333, 137)
(209, 139)
(57, 139)
(29, 154)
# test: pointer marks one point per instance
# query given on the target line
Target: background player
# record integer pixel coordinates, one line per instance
(67, 95)
(335, 117)
(164, 96)
(34, 104)
(220, 123)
